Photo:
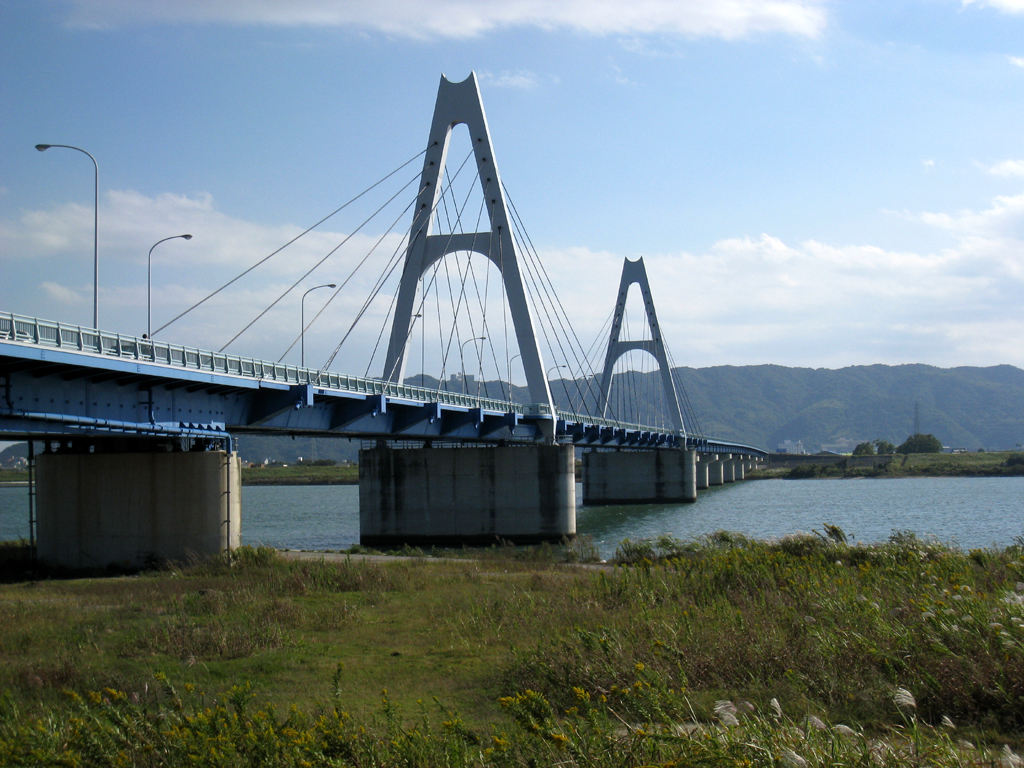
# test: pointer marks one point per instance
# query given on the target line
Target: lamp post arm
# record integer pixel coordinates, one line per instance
(95, 229)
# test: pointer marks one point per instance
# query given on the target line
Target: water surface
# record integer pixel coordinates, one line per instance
(968, 512)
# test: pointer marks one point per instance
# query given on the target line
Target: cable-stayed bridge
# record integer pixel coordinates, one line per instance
(139, 460)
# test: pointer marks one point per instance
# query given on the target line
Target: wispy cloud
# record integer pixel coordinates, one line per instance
(1007, 168)
(1006, 6)
(727, 19)
(522, 79)
(1017, 61)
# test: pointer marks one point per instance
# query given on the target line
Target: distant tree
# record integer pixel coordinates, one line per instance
(884, 447)
(864, 449)
(920, 444)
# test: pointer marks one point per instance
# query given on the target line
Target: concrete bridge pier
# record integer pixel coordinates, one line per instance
(639, 477)
(728, 468)
(702, 473)
(454, 496)
(716, 469)
(131, 502)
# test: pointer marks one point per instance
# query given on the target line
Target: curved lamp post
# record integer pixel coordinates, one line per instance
(303, 303)
(510, 374)
(553, 368)
(149, 283)
(564, 388)
(95, 231)
(462, 355)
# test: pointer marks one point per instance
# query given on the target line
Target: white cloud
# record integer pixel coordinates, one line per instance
(928, 164)
(745, 300)
(727, 19)
(1006, 6)
(750, 300)
(57, 245)
(63, 294)
(522, 79)
(1017, 61)
(1007, 168)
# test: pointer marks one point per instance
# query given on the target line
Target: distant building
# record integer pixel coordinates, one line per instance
(842, 445)
(790, 446)
(456, 383)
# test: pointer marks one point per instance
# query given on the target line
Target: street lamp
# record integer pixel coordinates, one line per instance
(302, 335)
(95, 231)
(510, 374)
(553, 368)
(564, 387)
(149, 283)
(462, 355)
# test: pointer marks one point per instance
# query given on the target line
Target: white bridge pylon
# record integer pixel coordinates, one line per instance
(636, 272)
(460, 103)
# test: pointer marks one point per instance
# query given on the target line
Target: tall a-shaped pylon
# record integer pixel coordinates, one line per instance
(635, 272)
(459, 103)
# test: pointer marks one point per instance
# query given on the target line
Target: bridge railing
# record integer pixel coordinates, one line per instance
(45, 333)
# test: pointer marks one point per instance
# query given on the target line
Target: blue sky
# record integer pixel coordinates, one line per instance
(811, 183)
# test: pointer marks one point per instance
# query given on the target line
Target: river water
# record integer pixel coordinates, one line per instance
(966, 512)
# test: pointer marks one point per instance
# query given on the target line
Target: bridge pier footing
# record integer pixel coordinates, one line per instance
(639, 477)
(132, 508)
(454, 496)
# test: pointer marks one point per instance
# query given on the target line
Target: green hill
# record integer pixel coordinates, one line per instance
(964, 407)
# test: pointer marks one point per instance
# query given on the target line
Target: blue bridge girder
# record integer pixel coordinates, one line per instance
(60, 380)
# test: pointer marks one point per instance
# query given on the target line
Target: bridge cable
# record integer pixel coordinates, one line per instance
(456, 306)
(301, 234)
(334, 294)
(578, 344)
(393, 264)
(315, 266)
(482, 301)
(602, 335)
(531, 251)
(441, 200)
(537, 296)
(382, 279)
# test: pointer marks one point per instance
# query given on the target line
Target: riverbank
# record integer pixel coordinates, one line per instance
(301, 475)
(718, 650)
(987, 464)
(991, 464)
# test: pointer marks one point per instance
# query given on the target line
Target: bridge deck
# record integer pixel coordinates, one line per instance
(274, 398)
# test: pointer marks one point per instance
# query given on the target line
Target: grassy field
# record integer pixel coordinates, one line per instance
(724, 651)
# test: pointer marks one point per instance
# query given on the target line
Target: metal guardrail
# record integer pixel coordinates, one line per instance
(73, 338)
(45, 333)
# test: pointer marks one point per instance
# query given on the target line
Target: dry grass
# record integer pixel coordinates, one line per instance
(516, 640)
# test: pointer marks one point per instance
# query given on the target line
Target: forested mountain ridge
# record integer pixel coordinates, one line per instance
(763, 405)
